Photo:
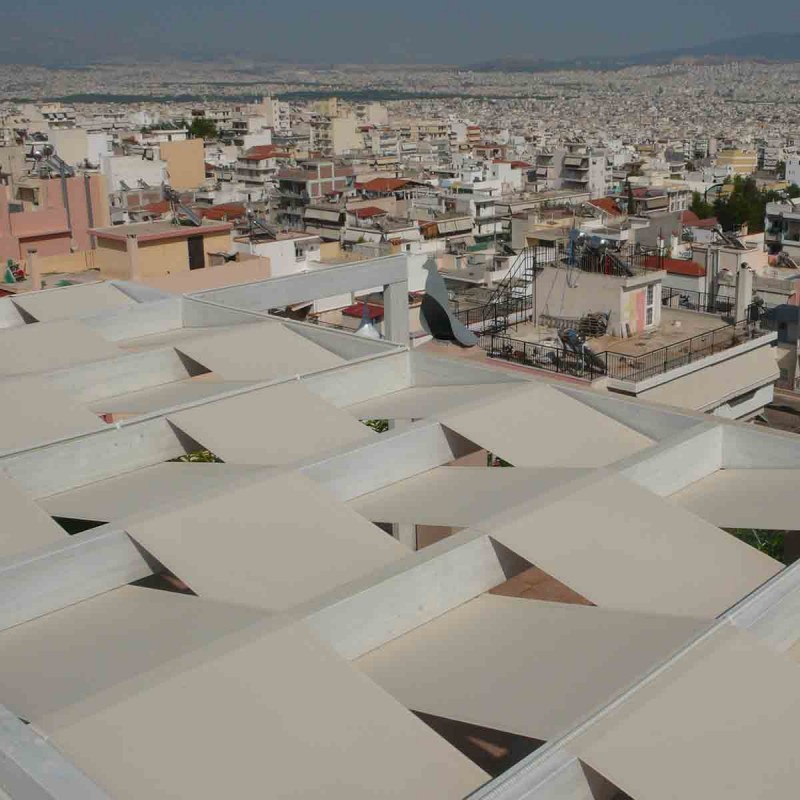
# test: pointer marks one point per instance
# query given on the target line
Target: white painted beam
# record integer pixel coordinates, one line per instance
(32, 769)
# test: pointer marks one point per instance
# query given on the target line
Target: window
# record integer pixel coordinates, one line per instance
(649, 311)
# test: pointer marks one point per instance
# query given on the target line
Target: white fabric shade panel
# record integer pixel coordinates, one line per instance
(25, 525)
(273, 543)
(162, 696)
(421, 402)
(460, 496)
(71, 302)
(258, 351)
(723, 722)
(46, 346)
(540, 427)
(161, 486)
(36, 411)
(277, 425)
(621, 546)
(169, 395)
(710, 386)
(745, 498)
(523, 666)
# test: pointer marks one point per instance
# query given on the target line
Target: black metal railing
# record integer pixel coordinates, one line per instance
(495, 317)
(542, 356)
(620, 366)
(638, 368)
(705, 302)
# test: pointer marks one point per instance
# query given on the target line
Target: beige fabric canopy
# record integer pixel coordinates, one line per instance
(703, 389)
(258, 351)
(523, 666)
(278, 425)
(71, 302)
(165, 486)
(103, 642)
(723, 722)
(745, 498)
(50, 345)
(36, 411)
(539, 427)
(621, 546)
(160, 696)
(273, 544)
(460, 496)
(420, 402)
(25, 525)
(169, 395)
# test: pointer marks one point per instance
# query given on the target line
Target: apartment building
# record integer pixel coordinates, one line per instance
(52, 216)
(257, 168)
(782, 229)
(312, 181)
(737, 162)
(793, 170)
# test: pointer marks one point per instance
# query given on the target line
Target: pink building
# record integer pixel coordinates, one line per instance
(53, 219)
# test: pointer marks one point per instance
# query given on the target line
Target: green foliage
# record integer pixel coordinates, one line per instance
(703, 209)
(768, 542)
(202, 128)
(746, 204)
(793, 191)
(199, 457)
(378, 425)
(495, 461)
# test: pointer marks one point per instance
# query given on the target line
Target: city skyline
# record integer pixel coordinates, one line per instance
(85, 31)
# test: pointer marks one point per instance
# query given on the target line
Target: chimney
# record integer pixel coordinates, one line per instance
(133, 257)
(34, 270)
(744, 291)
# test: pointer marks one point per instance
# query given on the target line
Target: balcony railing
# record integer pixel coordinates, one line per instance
(585, 364)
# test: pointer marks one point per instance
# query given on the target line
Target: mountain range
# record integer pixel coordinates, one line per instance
(772, 47)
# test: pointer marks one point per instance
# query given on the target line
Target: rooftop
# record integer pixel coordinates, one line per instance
(154, 231)
(311, 624)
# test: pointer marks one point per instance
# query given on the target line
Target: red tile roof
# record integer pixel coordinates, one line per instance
(606, 204)
(369, 211)
(223, 211)
(676, 266)
(262, 152)
(159, 207)
(383, 185)
(689, 218)
(357, 309)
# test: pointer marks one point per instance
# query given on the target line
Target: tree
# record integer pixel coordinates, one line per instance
(701, 207)
(793, 191)
(202, 128)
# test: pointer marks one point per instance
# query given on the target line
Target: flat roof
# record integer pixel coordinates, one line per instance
(159, 230)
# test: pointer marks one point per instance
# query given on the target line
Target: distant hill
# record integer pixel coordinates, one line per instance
(753, 47)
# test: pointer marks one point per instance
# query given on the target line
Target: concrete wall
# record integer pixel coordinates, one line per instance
(71, 144)
(156, 259)
(185, 163)
(131, 169)
(49, 228)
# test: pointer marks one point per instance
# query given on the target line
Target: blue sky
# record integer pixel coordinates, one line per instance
(403, 31)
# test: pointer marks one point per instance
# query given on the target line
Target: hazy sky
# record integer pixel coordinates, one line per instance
(386, 31)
